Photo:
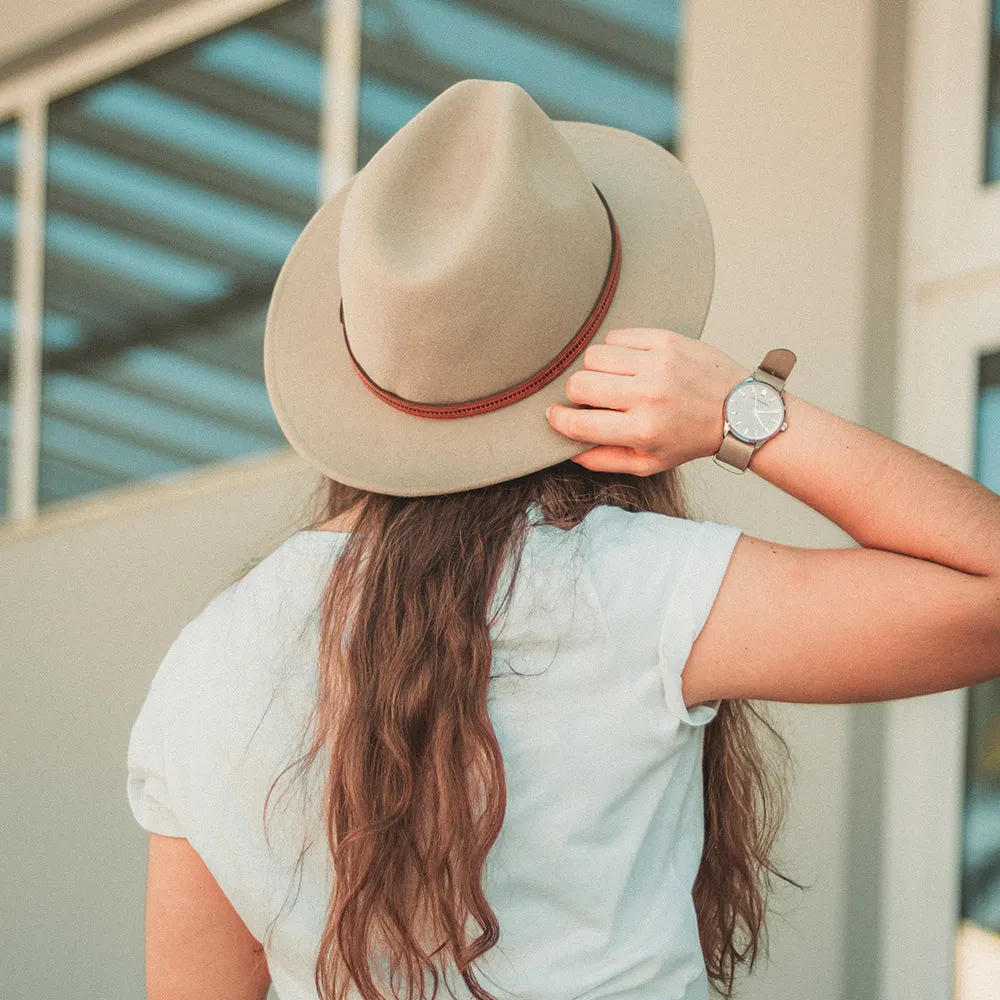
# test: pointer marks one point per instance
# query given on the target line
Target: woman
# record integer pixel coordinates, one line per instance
(509, 675)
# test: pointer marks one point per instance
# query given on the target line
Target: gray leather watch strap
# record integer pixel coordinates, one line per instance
(779, 364)
(734, 452)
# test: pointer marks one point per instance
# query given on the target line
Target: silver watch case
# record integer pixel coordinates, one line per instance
(732, 400)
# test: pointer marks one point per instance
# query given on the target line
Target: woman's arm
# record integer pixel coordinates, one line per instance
(916, 610)
(884, 494)
(197, 947)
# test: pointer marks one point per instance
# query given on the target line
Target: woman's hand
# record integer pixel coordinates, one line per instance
(658, 399)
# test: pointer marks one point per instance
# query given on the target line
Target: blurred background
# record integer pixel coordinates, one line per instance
(158, 159)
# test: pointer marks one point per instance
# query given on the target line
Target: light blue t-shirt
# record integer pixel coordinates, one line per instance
(591, 875)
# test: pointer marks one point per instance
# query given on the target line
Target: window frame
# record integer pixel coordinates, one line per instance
(948, 296)
(25, 99)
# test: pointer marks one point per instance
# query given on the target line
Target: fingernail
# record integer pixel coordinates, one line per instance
(548, 410)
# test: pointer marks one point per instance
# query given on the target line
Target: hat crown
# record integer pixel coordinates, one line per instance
(472, 247)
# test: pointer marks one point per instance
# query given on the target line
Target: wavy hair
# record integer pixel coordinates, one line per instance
(415, 794)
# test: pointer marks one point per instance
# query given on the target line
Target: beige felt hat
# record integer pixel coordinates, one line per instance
(437, 304)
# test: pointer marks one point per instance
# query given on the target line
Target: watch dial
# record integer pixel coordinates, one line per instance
(755, 411)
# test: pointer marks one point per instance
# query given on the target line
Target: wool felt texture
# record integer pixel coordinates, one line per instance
(467, 253)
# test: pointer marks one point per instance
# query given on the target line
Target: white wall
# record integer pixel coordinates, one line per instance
(777, 129)
(92, 596)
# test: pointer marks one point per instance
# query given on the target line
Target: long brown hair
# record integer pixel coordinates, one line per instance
(415, 795)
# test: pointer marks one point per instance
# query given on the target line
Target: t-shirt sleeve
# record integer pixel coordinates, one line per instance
(701, 570)
(147, 787)
(656, 577)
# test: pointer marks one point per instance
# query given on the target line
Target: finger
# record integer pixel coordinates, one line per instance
(639, 338)
(601, 389)
(593, 426)
(607, 458)
(614, 359)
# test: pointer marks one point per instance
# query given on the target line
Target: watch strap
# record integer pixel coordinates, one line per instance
(734, 454)
(775, 368)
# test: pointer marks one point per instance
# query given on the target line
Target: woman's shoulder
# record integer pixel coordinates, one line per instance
(613, 525)
(644, 552)
(615, 539)
(283, 586)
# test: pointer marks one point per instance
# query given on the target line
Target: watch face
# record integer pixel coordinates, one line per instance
(755, 411)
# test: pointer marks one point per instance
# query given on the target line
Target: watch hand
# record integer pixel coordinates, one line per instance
(759, 413)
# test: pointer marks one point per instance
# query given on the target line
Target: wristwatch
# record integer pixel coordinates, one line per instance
(754, 411)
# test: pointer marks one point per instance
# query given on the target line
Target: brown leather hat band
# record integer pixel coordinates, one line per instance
(536, 381)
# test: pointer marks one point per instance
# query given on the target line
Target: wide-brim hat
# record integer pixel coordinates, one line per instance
(434, 307)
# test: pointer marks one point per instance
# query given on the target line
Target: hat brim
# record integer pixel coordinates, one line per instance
(338, 426)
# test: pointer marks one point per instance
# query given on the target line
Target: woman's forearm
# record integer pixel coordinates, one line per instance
(916, 609)
(653, 399)
(884, 494)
